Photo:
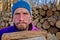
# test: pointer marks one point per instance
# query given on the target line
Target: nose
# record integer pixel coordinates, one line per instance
(21, 17)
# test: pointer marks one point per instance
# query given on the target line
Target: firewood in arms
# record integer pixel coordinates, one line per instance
(23, 34)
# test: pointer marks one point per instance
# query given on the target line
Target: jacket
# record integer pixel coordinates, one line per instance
(10, 29)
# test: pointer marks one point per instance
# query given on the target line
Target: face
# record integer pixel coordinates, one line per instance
(21, 18)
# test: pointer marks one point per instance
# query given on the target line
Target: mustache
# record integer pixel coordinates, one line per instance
(20, 22)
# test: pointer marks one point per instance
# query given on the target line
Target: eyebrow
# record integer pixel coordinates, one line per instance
(17, 13)
(23, 12)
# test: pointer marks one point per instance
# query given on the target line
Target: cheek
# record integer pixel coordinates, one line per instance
(15, 19)
(28, 20)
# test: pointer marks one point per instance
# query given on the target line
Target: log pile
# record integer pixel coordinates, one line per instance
(5, 19)
(48, 18)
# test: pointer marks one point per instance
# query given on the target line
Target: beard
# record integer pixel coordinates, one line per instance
(28, 27)
(21, 26)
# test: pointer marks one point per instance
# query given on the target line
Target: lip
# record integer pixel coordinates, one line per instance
(21, 23)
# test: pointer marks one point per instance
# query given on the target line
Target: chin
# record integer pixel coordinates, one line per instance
(22, 29)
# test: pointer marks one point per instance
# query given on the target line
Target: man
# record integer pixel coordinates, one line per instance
(21, 12)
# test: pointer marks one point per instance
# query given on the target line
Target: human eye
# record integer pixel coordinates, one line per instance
(25, 13)
(17, 13)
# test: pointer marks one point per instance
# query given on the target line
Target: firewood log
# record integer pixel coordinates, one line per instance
(51, 37)
(58, 24)
(55, 16)
(33, 9)
(4, 6)
(12, 1)
(11, 23)
(23, 35)
(1, 5)
(54, 9)
(46, 25)
(56, 13)
(3, 24)
(51, 23)
(6, 24)
(58, 35)
(52, 30)
(40, 17)
(35, 21)
(35, 16)
(42, 12)
(9, 6)
(59, 18)
(58, 7)
(39, 25)
(9, 9)
(45, 7)
(49, 12)
(52, 20)
(42, 20)
(36, 12)
(4, 18)
(7, 18)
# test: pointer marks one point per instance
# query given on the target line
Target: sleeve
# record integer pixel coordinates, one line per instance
(1, 33)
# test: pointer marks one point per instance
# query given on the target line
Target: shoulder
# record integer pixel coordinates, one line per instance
(6, 29)
(34, 27)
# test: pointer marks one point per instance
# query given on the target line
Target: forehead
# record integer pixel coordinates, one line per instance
(19, 10)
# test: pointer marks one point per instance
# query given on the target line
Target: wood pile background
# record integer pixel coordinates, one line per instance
(47, 18)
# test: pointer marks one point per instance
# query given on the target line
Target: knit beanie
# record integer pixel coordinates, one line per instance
(21, 4)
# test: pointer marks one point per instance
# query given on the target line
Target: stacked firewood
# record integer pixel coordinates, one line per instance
(47, 18)
(25, 35)
(5, 13)
(5, 19)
